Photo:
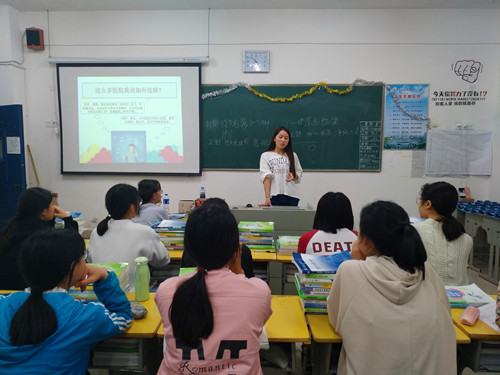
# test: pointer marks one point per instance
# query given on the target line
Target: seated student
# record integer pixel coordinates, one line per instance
(35, 212)
(151, 194)
(446, 243)
(213, 317)
(246, 254)
(46, 331)
(332, 226)
(388, 303)
(118, 239)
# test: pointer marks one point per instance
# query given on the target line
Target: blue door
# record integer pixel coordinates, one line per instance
(12, 163)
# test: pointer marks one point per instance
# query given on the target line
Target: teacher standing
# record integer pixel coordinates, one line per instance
(280, 170)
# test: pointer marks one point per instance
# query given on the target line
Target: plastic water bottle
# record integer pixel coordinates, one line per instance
(166, 202)
(141, 279)
(203, 193)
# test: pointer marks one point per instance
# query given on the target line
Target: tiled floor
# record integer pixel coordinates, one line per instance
(485, 285)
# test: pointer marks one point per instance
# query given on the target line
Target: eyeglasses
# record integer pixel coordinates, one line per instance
(418, 200)
(85, 254)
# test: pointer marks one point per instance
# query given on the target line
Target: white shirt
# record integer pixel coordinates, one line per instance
(276, 167)
(123, 242)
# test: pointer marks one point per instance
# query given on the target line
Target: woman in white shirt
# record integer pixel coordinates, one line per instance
(446, 243)
(280, 170)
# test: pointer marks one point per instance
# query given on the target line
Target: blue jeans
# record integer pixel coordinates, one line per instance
(284, 200)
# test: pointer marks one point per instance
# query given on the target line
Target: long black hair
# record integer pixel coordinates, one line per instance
(444, 199)
(31, 203)
(211, 240)
(147, 188)
(334, 211)
(288, 149)
(118, 200)
(47, 258)
(388, 226)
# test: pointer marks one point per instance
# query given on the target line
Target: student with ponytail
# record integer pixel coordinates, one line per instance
(44, 330)
(213, 317)
(389, 295)
(35, 211)
(118, 239)
(446, 243)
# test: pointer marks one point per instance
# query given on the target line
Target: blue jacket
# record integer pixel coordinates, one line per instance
(79, 327)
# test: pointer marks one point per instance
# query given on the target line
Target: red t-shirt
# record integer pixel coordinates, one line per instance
(318, 242)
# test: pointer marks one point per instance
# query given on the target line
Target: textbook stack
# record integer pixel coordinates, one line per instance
(121, 271)
(118, 353)
(287, 245)
(315, 277)
(257, 235)
(171, 233)
(467, 295)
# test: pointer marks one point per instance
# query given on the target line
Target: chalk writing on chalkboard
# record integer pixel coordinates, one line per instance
(328, 132)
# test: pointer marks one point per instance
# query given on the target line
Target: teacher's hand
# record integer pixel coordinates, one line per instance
(290, 177)
(266, 203)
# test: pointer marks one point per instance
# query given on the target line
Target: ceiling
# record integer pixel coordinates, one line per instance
(88, 5)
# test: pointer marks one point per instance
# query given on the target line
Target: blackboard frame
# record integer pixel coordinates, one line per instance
(222, 118)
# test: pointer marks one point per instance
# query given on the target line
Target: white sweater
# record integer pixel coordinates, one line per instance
(123, 242)
(449, 258)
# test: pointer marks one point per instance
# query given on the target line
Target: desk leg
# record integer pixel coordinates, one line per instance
(497, 258)
(297, 358)
(320, 358)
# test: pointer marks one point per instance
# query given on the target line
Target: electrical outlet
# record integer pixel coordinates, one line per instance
(51, 124)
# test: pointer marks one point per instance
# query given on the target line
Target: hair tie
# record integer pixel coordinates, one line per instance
(37, 289)
(201, 270)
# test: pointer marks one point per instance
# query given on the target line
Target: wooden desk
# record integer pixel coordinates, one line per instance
(286, 324)
(479, 331)
(323, 332)
(259, 256)
(175, 254)
(284, 258)
(147, 327)
(321, 329)
(324, 335)
(481, 335)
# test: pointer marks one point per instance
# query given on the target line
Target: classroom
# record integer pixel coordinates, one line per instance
(332, 41)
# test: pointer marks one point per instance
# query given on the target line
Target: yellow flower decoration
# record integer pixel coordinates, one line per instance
(301, 95)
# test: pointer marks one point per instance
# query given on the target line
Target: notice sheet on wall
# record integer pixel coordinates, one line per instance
(458, 153)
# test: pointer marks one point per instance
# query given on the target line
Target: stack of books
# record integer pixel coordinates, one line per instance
(315, 277)
(121, 271)
(117, 352)
(286, 245)
(257, 235)
(171, 233)
(467, 295)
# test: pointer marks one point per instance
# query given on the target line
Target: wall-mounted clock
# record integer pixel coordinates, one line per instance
(256, 61)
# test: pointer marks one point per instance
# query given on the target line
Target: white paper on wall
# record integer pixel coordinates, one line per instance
(458, 153)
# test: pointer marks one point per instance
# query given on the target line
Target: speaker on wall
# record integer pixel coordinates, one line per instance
(34, 38)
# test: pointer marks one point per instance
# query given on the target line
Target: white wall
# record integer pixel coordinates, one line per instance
(337, 46)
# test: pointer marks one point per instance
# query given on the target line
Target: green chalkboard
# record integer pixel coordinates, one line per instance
(329, 131)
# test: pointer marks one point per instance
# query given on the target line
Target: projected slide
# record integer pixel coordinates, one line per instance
(137, 120)
(130, 118)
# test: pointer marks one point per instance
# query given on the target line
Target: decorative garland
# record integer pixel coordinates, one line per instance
(347, 90)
